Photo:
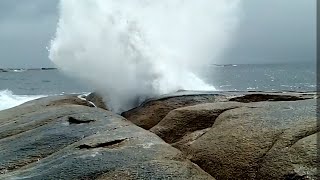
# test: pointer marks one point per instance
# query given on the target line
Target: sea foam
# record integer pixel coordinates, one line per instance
(130, 50)
(9, 100)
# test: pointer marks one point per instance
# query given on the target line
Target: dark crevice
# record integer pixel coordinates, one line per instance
(110, 144)
(295, 176)
(302, 135)
(73, 120)
(262, 157)
(291, 143)
(275, 140)
(266, 97)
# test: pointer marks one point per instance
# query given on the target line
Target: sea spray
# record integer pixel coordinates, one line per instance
(9, 100)
(134, 49)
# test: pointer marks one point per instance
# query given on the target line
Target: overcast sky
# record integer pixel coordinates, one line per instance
(270, 31)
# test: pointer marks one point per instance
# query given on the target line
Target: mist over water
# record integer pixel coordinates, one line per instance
(130, 50)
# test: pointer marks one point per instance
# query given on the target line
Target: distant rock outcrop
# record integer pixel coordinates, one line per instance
(23, 70)
(3, 70)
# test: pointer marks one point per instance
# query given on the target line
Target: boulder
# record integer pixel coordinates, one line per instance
(294, 154)
(64, 138)
(186, 120)
(97, 100)
(153, 111)
(265, 140)
(253, 136)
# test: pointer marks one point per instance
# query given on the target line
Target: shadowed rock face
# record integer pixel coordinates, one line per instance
(266, 97)
(152, 112)
(62, 138)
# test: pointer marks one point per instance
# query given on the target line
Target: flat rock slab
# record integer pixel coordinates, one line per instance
(63, 138)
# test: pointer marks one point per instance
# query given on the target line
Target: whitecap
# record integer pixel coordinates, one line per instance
(9, 100)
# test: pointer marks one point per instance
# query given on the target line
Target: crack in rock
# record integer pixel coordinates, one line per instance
(73, 120)
(109, 144)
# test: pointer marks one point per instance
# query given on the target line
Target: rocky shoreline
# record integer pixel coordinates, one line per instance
(186, 135)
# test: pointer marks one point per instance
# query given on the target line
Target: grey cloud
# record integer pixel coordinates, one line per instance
(27, 9)
(270, 31)
(26, 27)
(275, 31)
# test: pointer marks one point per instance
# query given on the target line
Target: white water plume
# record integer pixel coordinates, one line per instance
(131, 49)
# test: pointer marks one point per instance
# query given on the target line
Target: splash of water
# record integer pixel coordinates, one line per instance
(9, 100)
(131, 49)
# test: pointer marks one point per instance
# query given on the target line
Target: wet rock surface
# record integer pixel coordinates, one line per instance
(64, 138)
(192, 135)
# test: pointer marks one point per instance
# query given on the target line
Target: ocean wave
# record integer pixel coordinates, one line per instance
(9, 100)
